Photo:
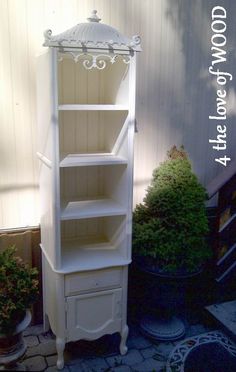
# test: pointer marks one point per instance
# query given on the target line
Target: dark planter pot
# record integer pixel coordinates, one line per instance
(165, 299)
(12, 346)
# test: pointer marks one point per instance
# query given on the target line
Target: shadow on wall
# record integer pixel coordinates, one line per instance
(176, 93)
(192, 22)
(160, 92)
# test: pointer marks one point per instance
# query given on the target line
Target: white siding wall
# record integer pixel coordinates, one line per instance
(174, 91)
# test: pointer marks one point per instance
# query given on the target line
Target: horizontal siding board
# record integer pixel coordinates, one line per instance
(175, 93)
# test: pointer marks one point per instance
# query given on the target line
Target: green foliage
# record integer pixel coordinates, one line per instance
(171, 224)
(18, 289)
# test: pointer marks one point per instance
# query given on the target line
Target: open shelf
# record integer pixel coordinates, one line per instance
(93, 191)
(83, 160)
(99, 107)
(93, 243)
(90, 254)
(90, 209)
(109, 86)
(95, 131)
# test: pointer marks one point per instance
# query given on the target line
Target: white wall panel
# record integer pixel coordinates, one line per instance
(175, 93)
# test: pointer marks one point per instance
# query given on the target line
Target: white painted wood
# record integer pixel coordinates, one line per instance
(90, 254)
(130, 151)
(92, 280)
(91, 208)
(124, 329)
(83, 160)
(100, 107)
(60, 346)
(98, 90)
(224, 226)
(86, 186)
(53, 297)
(45, 160)
(46, 324)
(124, 335)
(226, 272)
(48, 177)
(226, 255)
(100, 313)
(93, 131)
(95, 182)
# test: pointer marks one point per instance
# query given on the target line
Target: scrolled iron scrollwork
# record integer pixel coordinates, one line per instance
(98, 61)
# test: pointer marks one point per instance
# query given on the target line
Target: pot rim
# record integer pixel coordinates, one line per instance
(21, 326)
(168, 275)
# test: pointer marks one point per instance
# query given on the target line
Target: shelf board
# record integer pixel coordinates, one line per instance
(80, 160)
(91, 208)
(98, 107)
(90, 254)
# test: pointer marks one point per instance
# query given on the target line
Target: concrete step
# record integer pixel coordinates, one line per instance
(225, 314)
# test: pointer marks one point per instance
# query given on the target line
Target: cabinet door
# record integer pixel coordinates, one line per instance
(90, 316)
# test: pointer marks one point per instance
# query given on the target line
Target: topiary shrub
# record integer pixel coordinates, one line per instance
(18, 289)
(169, 228)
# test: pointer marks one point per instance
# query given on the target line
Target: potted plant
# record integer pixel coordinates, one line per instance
(169, 230)
(18, 291)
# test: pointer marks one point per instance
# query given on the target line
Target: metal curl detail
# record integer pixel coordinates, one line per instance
(89, 64)
(136, 40)
(126, 59)
(97, 61)
(47, 34)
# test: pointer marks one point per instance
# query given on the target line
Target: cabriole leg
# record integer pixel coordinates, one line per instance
(124, 335)
(60, 345)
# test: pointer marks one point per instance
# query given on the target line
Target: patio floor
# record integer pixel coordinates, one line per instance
(143, 355)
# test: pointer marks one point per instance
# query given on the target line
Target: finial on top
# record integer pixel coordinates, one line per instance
(94, 17)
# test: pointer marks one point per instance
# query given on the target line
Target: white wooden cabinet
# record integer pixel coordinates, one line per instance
(86, 116)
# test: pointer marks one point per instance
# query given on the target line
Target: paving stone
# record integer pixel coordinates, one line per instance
(175, 343)
(18, 367)
(32, 351)
(44, 337)
(96, 364)
(164, 348)
(132, 357)
(121, 369)
(149, 352)
(114, 361)
(34, 330)
(142, 356)
(36, 363)
(31, 341)
(48, 348)
(195, 330)
(149, 365)
(81, 367)
(51, 360)
(54, 369)
(138, 342)
(45, 349)
(72, 361)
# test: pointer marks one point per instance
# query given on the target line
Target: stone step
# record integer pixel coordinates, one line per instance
(225, 314)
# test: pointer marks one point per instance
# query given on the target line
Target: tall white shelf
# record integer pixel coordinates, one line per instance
(86, 115)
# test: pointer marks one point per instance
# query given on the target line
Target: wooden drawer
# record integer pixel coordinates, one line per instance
(92, 280)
